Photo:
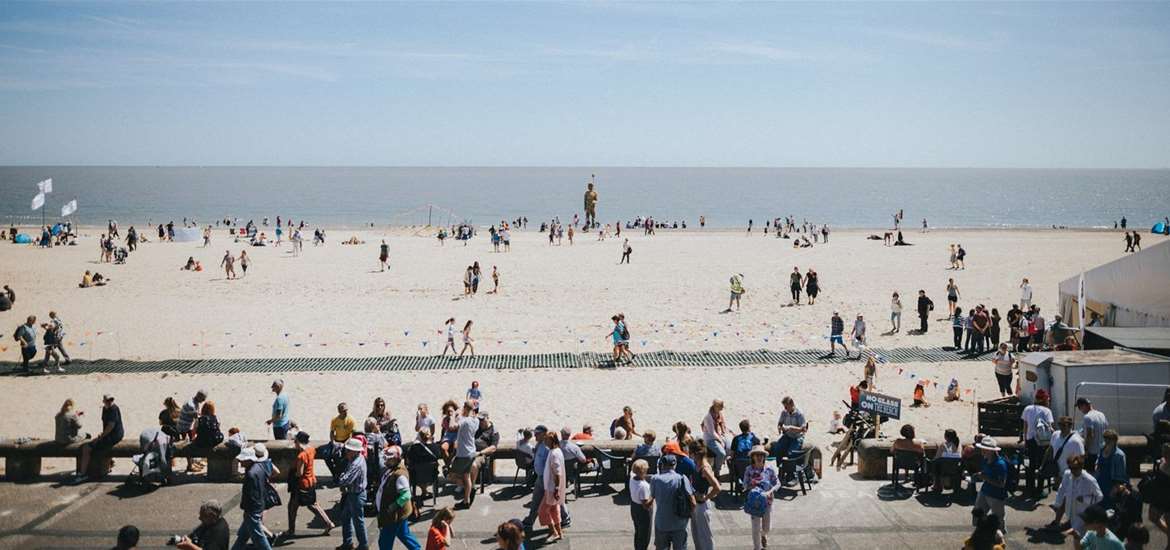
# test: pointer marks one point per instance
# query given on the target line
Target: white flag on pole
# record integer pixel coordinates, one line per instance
(46, 186)
(69, 208)
(38, 201)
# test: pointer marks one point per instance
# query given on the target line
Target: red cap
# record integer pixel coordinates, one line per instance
(1041, 395)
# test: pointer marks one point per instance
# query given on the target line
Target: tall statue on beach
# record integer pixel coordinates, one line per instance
(590, 203)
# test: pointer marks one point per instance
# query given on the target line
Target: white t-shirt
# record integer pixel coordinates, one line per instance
(1003, 363)
(708, 427)
(1026, 293)
(1096, 422)
(639, 490)
(1076, 494)
(1075, 446)
(1031, 415)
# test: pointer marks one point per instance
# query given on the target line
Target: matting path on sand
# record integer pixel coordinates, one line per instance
(502, 362)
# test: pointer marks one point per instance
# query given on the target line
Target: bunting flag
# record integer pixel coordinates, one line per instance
(45, 186)
(69, 208)
(38, 201)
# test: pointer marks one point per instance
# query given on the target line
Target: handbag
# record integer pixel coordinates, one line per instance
(271, 496)
(1049, 468)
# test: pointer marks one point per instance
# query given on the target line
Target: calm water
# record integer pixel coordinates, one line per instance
(727, 196)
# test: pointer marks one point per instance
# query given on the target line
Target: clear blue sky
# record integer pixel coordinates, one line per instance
(586, 84)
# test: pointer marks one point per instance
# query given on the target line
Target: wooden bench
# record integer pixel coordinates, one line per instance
(873, 454)
(23, 459)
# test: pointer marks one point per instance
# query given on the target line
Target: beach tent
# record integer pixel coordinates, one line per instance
(22, 238)
(1159, 229)
(188, 234)
(1128, 292)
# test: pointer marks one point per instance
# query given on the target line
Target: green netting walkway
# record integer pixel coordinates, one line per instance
(502, 362)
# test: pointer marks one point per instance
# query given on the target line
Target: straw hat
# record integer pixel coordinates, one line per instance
(987, 444)
(758, 450)
(354, 445)
(247, 454)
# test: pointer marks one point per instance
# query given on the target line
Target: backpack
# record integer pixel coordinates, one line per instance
(625, 332)
(756, 503)
(742, 444)
(1043, 432)
(683, 507)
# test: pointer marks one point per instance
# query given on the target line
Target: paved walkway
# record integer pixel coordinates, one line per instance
(840, 512)
(531, 361)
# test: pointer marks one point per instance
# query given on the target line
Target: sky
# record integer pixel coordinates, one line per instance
(948, 84)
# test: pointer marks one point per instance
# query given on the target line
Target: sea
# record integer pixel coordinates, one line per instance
(726, 197)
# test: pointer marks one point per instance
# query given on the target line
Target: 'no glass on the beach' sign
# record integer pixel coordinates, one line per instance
(884, 405)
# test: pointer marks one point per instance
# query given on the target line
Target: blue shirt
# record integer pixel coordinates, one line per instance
(663, 488)
(1111, 471)
(686, 467)
(280, 410)
(994, 470)
(541, 458)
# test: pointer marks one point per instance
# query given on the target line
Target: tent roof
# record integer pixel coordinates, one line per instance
(1136, 282)
(1150, 338)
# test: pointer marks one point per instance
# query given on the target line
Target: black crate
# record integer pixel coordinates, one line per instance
(1000, 417)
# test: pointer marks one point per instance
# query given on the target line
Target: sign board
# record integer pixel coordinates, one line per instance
(884, 405)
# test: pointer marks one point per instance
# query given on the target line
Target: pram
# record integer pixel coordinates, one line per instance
(153, 465)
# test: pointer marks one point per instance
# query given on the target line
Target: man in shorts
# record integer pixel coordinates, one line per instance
(836, 334)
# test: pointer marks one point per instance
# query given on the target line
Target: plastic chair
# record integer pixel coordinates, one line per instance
(422, 475)
(527, 464)
(909, 461)
(797, 464)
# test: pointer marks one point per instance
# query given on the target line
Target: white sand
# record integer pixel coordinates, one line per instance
(333, 302)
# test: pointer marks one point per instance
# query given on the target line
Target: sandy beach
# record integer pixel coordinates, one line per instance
(333, 302)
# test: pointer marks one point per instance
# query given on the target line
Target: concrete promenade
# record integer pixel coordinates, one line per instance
(840, 512)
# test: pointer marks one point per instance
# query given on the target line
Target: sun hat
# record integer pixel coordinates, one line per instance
(758, 450)
(261, 452)
(987, 444)
(247, 454)
(354, 445)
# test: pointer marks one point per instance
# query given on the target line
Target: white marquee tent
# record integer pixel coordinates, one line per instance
(1132, 291)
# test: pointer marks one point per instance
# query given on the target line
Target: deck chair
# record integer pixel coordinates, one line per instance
(799, 465)
(910, 462)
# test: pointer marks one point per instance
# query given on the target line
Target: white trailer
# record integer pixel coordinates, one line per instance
(1124, 384)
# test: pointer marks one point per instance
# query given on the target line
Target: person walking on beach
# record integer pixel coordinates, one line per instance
(954, 257)
(961, 258)
(228, 264)
(616, 335)
(749, 231)
(812, 286)
(836, 332)
(925, 306)
(26, 335)
(245, 261)
(1128, 242)
(1137, 242)
(794, 285)
(495, 281)
(449, 326)
(206, 236)
(384, 255)
(467, 340)
(625, 343)
(895, 314)
(952, 298)
(475, 275)
(858, 335)
(626, 250)
(132, 239)
(737, 291)
(467, 276)
(1025, 294)
(924, 229)
(54, 342)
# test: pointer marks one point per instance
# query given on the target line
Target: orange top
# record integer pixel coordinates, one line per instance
(919, 393)
(307, 457)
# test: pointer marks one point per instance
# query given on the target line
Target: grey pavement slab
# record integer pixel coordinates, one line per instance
(839, 512)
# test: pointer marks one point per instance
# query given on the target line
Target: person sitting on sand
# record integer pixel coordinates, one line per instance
(95, 279)
(920, 395)
(190, 265)
(901, 241)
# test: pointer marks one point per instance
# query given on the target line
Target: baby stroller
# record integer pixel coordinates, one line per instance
(120, 255)
(153, 465)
